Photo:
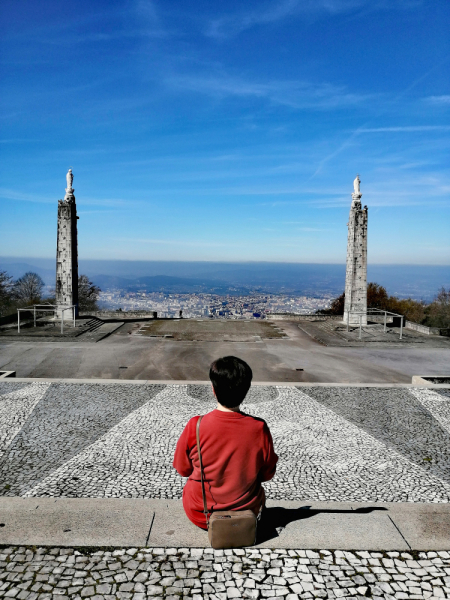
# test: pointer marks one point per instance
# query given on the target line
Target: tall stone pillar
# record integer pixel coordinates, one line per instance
(356, 272)
(67, 252)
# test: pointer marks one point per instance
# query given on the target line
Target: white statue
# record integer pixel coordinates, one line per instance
(69, 179)
(356, 185)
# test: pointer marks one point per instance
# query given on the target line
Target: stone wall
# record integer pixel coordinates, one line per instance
(121, 315)
(295, 317)
(379, 319)
(422, 328)
(427, 330)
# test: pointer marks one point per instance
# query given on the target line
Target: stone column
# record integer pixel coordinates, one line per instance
(67, 252)
(356, 272)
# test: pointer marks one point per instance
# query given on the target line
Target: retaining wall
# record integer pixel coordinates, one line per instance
(122, 315)
(422, 328)
(295, 317)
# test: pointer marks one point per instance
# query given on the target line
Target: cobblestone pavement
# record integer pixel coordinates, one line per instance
(117, 440)
(206, 574)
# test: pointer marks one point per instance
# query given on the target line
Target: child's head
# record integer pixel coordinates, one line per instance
(231, 378)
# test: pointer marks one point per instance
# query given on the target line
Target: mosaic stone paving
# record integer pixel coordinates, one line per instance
(206, 574)
(117, 440)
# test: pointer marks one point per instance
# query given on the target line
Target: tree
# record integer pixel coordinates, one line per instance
(376, 296)
(6, 287)
(336, 306)
(412, 310)
(28, 288)
(438, 312)
(88, 294)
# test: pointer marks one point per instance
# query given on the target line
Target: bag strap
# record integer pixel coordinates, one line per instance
(205, 507)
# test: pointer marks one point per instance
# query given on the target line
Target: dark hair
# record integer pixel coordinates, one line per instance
(231, 378)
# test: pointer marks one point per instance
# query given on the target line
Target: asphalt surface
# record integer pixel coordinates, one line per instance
(300, 358)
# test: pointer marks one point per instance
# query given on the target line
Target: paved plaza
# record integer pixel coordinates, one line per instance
(108, 442)
(277, 352)
(206, 574)
(114, 440)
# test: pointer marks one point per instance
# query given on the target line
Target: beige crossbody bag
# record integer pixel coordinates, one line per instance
(227, 528)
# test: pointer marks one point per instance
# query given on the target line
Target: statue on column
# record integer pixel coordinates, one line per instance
(69, 179)
(357, 185)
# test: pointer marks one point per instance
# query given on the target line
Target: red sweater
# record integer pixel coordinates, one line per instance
(237, 453)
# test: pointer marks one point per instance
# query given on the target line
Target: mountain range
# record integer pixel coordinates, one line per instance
(309, 279)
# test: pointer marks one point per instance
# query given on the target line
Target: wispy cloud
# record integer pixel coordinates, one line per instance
(311, 229)
(81, 213)
(351, 139)
(444, 100)
(109, 202)
(169, 242)
(98, 37)
(272, 190)
(231, 25)
(19, 141)
(407, 129)
(84, 27)
(7, 194)
(394, 190)
(294, 94)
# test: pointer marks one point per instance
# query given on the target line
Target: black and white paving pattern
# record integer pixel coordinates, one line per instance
(117, 440)
(206, 574)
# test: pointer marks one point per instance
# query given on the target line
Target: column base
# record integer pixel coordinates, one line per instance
(354, 320)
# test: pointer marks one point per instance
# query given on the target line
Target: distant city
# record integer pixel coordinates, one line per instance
(254, 306)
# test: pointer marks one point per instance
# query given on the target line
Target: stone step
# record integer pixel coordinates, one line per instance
(100, 331)
(129, 522)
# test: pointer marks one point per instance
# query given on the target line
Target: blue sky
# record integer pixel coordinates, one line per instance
(226, 130)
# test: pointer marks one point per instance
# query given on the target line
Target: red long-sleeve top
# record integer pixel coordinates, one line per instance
(237, 453)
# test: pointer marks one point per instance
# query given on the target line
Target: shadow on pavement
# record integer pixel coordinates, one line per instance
(275, 519)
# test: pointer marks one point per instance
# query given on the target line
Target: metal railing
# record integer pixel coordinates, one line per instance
(36, 308)
(375, 311)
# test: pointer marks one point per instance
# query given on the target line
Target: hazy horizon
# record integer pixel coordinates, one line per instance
(315, 279)
(18, 257)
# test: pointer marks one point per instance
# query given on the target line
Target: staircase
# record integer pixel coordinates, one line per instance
(96, 329)
(92, 325)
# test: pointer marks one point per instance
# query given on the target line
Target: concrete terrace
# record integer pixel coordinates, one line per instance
(278, 351)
